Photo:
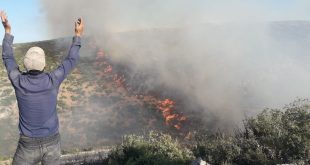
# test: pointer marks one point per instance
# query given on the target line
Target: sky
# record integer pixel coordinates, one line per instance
(26, 19)
(29, 24)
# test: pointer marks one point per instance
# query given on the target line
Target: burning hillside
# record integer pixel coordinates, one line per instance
(98, 103)
(108, 95)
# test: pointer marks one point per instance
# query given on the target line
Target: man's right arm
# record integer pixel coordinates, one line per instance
(71, 60)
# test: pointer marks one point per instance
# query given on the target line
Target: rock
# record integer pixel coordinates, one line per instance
(86, 157)
(199, 161)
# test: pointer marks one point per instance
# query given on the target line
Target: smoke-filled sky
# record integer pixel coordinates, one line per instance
(123, 15)
(226, 55)
(29, 23)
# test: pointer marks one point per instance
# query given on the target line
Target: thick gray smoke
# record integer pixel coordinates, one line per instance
(225, 55)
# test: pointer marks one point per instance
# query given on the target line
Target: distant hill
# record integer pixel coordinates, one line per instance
(291, 30)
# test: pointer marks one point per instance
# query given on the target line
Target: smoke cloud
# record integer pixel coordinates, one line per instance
(227, 56)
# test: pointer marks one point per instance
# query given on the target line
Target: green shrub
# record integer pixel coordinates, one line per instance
(152, 149)
(275, 136)
(216, 148)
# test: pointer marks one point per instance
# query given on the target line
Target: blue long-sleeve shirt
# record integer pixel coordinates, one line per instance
(37, 94)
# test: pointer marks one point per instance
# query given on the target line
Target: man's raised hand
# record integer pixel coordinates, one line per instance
(79, 27)
(5, 22)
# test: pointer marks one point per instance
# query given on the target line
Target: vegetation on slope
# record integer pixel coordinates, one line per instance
(154, 148)
(275, 136)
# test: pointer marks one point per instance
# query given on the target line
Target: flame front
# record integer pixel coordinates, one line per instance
(167, 107)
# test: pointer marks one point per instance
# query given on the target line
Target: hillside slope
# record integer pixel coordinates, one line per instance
(102, 99)
(95, 105)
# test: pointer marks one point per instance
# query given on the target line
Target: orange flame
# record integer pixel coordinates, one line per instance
(108, 69)
(167, 107)
(177, 126)
(119, 80)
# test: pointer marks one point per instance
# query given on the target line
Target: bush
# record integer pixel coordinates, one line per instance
(272, 137)
(216, 148)
(152, 149)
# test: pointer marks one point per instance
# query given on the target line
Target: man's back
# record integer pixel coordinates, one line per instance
(37, 99)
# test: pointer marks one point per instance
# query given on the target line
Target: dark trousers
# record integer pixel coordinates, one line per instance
(31, 151)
